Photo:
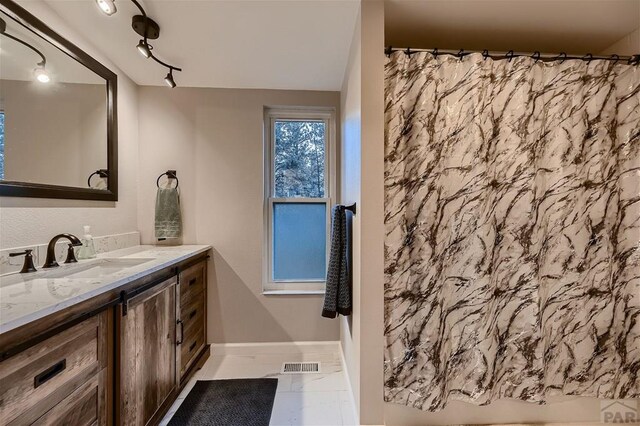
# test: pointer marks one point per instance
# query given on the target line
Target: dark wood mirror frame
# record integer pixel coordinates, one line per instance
(38, 190)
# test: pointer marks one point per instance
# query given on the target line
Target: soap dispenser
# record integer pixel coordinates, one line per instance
(87, 250)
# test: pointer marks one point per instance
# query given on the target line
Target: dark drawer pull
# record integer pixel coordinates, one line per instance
(50, 373)
(192, 347)
(192, 281)
(193, 314)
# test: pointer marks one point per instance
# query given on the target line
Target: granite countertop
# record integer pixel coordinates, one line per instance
(27, 297)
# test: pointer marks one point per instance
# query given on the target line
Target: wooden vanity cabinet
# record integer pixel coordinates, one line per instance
(119, 358)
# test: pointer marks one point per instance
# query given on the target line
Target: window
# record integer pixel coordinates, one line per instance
(298, 192)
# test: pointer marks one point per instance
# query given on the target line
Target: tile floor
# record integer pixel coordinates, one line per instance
(321, 399)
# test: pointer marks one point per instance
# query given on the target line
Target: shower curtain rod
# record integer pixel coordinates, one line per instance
(545, 57)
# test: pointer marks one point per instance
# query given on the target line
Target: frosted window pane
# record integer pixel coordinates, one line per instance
(299, 241)
(299, 159)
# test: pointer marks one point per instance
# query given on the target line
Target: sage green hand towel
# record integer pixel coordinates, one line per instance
(168, 217)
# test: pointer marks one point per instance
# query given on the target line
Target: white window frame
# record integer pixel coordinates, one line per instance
(271, 115)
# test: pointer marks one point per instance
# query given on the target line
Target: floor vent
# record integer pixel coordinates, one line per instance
(300, 367)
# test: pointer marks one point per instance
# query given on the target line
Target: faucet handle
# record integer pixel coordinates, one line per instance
(71, 254)
(28, 265)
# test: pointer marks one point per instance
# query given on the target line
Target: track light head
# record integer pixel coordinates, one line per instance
(169, 79)
(41, 74)
(144, 48)
(108, 7)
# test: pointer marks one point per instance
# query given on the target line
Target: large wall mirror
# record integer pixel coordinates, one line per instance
(58, 129)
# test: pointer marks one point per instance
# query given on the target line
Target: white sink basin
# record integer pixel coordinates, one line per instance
(104, 267)
(99, 268)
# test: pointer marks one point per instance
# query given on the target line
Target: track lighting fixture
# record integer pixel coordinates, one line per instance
(144, 48)
(169, 79)
(40, 72)
(148, 29)
(108, 7)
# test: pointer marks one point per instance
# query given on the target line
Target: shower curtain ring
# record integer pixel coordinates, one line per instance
(588, 57)
(536, 56)
(485, 54)
(408, 52)
(509, 55)
(615, 58)
(562, 55)
(388, 51)
(434, 52)
(460, 54)
(634, 60)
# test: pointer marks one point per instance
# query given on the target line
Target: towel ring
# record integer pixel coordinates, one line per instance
(170, 174)
(103, 173)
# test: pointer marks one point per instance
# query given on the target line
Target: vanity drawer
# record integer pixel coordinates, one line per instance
(192, 282)
(82, 407)
(192, 314)
(191, 345)
(40, 377)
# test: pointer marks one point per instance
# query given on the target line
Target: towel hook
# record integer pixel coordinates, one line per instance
(351, 208)
(170, 174)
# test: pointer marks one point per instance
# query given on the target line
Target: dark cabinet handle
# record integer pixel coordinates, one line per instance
(192, 281)
(50, 373)
(181, 324)
(192, 347)
(193, 314)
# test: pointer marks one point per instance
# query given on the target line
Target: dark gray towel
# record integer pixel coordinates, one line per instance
(337, 296)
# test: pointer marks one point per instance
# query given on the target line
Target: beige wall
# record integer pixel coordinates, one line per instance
(350, 103)
(25, 221)
(214, 139)
(363, 161)
(54, 133)
(372, 217)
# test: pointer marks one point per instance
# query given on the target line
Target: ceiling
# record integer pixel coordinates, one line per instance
(548, 26)
(266, 44)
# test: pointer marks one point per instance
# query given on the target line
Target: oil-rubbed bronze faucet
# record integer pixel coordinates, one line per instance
(50, 261)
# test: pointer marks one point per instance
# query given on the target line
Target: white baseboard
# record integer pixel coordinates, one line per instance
(343, 361)
(274, 348)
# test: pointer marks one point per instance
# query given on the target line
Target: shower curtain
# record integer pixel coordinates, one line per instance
(512, 218)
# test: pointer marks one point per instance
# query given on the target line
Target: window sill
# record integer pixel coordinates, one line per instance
(292, 292)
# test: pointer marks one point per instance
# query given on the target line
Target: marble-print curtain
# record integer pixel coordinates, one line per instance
(512, 215)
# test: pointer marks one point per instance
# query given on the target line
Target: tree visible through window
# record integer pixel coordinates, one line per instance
(299, 159)
(298, 199)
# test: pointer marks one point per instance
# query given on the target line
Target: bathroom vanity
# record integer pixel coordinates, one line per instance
(105, 341)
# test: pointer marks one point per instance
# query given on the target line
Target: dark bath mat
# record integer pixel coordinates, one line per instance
(235, 402)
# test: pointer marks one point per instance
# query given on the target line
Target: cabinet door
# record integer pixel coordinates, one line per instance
(147, 374)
